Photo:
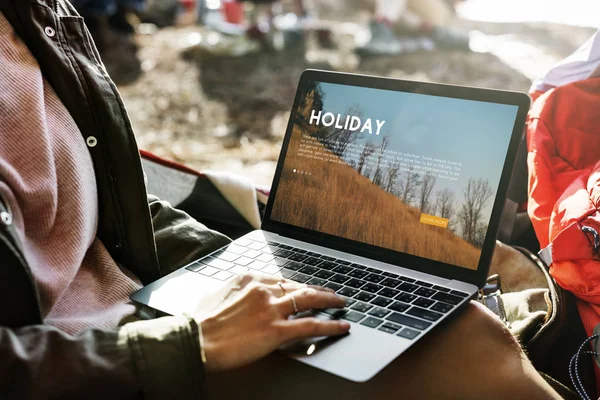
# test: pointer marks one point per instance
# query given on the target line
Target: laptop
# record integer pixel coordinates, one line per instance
(387, 191)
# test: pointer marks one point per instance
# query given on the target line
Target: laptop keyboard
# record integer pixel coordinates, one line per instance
(381, 300)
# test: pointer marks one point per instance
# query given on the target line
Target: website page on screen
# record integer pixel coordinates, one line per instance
(408, 172)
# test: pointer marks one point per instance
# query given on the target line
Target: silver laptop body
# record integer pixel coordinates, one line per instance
(387, 191)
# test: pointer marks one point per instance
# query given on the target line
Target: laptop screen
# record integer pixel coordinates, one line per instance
(413, 173)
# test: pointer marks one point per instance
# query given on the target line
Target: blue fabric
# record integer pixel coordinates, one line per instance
(96, 8)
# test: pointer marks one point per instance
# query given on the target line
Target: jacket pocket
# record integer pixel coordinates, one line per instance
(79, 38)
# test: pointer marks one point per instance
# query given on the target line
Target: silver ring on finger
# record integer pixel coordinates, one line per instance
(294, 305)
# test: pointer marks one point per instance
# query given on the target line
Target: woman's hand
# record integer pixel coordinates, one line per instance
(254, 320)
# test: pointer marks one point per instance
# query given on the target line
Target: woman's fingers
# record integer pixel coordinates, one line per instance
(309, 298)
(303, 328)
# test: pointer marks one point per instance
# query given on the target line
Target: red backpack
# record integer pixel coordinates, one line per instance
(563, 140)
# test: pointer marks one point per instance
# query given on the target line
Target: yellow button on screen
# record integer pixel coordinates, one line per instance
(433, 220)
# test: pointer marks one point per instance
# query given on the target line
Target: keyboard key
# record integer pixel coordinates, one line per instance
(334, 312)
(314, 255)
(271, 243)
(348, 291)
(398, 306)
(312, 261)
(328, 265)
(208, 271)
(324, 274)
(301, 278)
(223, 275)
(421, 283)
(391, 282)
(232, 248)
(328, 258)
(218, 263)
(387, 292)
(447, 298)
(406, 297)
(271, 269)
(372, 287)
(256, 265)
(195, 267)
(227, 256)
(355, 283)
(425, 292)
(388, 327)
(353, 316)
(389, 274)
(408, 333)
(423, 302)
(333, 286)
(286, 247)
(238, 270)
(301, 251)
(407, 279)
(359, 266)
(244, 242)
(343, 262)
(441, 288)
(309, 270)
(342, 269)
(280, 261)
(379, 312)
(408, 287)
(256, 245)
(374, 278)
(317, 282)
(294, 265)
(287, 273)
(365, 296)
(425, 314)
(337, 278)
(441, 307)
(349, 301)
(298, 257)
(408, 321)
(243, 261)
(376, 271)
(459, 294)
(284, 253)
(357, 273)
(371, 322)
(265, 257)
(381, 301)
(362, 307)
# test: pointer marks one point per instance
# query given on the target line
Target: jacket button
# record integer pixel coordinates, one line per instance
(6, 218)
(91, 141)
(50, 32)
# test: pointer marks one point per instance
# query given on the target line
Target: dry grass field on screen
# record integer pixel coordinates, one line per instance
(335, 199)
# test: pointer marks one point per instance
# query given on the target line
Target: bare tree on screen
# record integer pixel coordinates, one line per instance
(410, 185)
(392, 176)
(425, 193)
(364, 156)
(444, 203)
(470, 217)
(378, 175)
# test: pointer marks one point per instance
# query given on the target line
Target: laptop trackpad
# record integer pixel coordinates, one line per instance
(310, 346)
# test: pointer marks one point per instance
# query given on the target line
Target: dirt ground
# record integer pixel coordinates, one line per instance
(231, 113)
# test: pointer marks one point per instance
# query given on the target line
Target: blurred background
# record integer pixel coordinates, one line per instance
(210, 83)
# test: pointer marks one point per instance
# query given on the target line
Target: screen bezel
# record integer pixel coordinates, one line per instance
(405, 260)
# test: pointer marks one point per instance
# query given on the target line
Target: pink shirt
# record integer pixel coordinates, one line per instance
(47, 178)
